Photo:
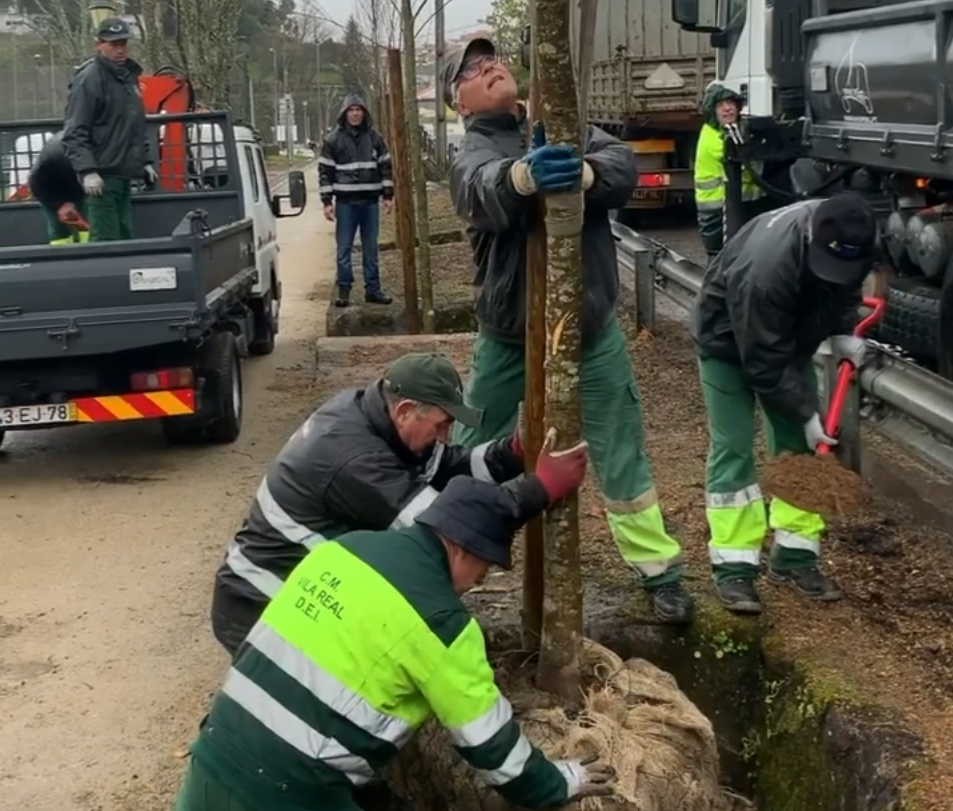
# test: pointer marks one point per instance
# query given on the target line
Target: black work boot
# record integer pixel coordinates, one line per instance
(809, 581)
(738, 594)
(672, 604)
(377, 297)
(344, 297)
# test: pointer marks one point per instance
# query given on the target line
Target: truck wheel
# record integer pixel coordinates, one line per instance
(223, 368)
(266, 326)
(220, 417)
(912, 320)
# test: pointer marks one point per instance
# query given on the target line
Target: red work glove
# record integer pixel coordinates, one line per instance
(68, 214)
(561, 472)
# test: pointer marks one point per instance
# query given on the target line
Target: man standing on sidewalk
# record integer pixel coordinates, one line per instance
(105, 132)
(491, 181)
(354, 171)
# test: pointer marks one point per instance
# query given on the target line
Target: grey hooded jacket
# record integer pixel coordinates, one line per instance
(355, 166)
(499, 222)
(762, 308)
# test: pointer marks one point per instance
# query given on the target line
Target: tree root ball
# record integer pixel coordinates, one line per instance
(633, 716)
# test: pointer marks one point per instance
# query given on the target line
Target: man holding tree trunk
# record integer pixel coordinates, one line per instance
(492, 177)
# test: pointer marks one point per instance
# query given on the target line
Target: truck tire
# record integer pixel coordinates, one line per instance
(223, 368)
(266, 326)
(220, 417)
(912, 320)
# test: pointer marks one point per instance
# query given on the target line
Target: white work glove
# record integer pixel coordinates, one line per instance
(849, 347)
(93, 184)
(814, 433)
(586, 778)
(150, 174)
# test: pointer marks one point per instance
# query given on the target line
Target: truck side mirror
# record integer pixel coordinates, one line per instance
(297, 197)
(696, 15)
(526, 38)
(297, 190)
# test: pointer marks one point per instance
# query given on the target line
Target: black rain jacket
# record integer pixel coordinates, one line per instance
(499, 222)
(344, 469)
(52, 179)
(105, 126)
(761, 307)
(355, 166)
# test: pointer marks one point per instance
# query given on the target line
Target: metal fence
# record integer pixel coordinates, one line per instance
(890, 384)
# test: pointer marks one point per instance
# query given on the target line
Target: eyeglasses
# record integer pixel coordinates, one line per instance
(474, 67)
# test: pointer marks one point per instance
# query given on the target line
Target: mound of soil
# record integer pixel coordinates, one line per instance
(820, 484)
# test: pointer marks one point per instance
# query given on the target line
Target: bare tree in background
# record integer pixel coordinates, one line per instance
(381, 26)
(206, 33)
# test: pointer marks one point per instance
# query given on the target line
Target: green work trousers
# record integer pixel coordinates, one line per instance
(737, 518)
(202, 792)
(612, 425)
(110, 216)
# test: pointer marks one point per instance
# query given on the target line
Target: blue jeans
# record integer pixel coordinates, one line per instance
(350, 217)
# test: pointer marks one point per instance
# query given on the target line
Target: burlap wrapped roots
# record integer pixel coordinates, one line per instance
(635, 718)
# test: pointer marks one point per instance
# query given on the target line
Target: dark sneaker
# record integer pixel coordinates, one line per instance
(380, 297)
(738, 594)
(344, 297)
(672, 604)
(809, 581)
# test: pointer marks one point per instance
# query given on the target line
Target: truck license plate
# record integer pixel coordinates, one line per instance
(45, 414)
(646, 195)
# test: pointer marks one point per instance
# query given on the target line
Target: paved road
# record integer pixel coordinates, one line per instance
(108, 542)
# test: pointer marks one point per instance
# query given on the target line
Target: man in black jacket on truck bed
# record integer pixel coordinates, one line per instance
(355, 173)
(370, 459)
(105, 132)
(54, 185)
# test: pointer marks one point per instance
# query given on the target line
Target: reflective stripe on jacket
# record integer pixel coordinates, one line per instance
(363, 644)
(710, 172)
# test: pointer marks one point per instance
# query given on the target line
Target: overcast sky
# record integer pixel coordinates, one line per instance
(461, 14)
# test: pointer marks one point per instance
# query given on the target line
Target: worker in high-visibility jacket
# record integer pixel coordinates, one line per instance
(722, 109)
(368, 639)
(787, 281)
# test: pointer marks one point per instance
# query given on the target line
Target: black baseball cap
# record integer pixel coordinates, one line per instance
(430, 377)
(477, 516)
(843, 239)
(456, 60)
(113, 29)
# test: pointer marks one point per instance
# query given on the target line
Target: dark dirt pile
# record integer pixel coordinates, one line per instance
(817, 483)
(634, 717)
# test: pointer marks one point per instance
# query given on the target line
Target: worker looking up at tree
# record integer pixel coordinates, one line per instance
(786, 281)
(105, 132)
(366, 640)
(492, 178)
(721, 107)
(371, 458)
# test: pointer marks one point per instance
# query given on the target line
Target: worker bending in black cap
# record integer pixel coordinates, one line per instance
(365, 641)
(784, 283)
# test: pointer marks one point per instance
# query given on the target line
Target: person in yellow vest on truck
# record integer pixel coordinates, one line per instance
(722, 111)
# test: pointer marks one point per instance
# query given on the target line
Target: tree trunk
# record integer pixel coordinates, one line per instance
(416, 157)
(535, 399)
(403, 194)
(558, 669)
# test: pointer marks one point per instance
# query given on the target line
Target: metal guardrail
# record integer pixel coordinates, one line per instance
(888, 380)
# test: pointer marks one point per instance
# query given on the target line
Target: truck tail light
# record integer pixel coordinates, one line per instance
(654, 180)
(181, 377)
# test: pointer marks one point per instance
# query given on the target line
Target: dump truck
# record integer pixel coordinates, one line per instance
(854, 94)
(648, 80)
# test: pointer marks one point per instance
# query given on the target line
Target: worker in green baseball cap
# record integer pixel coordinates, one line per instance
(371, 458)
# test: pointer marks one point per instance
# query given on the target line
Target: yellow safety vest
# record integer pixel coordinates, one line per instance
(710, 172)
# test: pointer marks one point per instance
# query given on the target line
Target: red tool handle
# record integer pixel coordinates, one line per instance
(846, 372)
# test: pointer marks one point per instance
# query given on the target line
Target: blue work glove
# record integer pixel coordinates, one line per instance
(547, 168)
